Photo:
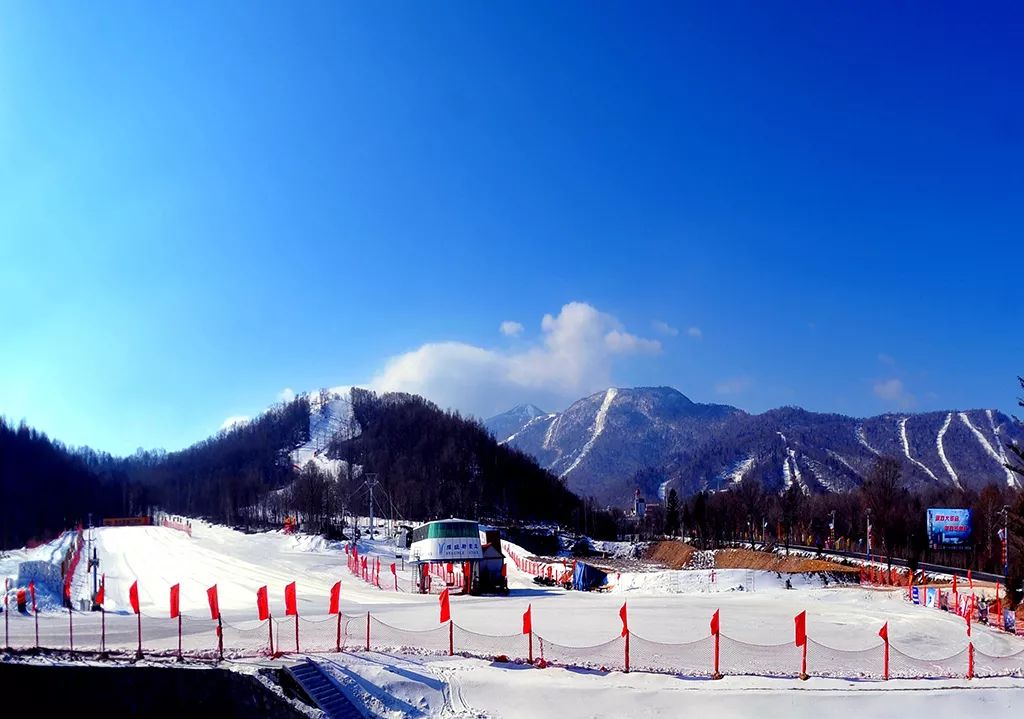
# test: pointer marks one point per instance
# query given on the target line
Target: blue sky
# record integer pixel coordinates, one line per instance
(205, 204)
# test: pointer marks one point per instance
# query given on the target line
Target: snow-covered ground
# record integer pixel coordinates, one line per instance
(664, 606)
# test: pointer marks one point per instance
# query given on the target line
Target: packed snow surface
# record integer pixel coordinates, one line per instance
(664, 606)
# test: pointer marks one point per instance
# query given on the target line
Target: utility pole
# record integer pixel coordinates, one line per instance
(371, 482)
(868, 539)
(1004, 537)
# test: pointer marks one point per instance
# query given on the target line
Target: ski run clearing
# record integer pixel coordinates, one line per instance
(667, 606)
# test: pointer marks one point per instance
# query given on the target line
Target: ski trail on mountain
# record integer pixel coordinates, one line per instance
(942, 450)
(1010, 479)
(862, 438)
(599, 420)
(906, 449)
(535, 420)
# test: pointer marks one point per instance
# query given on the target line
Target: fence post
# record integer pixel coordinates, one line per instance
(71, 628)
(138, 652)
(270, 632)
(531, 645)
(179, 636)
(103, 631)
(718, 674)
(451, 638)
(367, 631)
(970, 660)
(627, 652)
(337, 644)
(220, 637)
(803, 664)
(296, 633)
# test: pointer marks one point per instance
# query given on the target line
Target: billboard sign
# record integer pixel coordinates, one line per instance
(949, 527)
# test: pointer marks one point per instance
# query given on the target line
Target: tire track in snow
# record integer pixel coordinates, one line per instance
(599, 420)
(906, 448)
(1011, 480)
(942, 450)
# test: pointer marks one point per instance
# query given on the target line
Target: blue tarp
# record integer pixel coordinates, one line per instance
(585, 577)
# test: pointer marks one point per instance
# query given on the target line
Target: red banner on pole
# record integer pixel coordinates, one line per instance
(211, 597)
(290, 606)
(715, 623)
(335, 599)
(133, 596)
(884, 634)
(528, 619)
(262, 604)
(801, 628)
(446, 614)
(625, 620)
(101, 594)
(175, 597)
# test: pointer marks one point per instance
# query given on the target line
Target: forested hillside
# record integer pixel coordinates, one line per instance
(44, 487)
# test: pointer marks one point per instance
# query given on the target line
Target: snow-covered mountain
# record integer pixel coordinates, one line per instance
(508, 423)
(609, 443)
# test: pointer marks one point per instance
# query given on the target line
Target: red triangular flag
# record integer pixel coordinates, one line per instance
(133, 596)
(954, 584)
(175, 597)
(335, 598)
(801, 628)
(884, 632)
(446, 613)
(714, 623)
(625, 621)
(32, 591)
(290, 606)
(262, 605)
(102, 591)
(528, 620)
(393, 570)
(211, 596)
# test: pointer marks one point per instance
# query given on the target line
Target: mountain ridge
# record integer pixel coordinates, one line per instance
(609, 443)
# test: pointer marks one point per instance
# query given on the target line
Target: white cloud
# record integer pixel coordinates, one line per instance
(233, 421)
(695, 333)
(578, 347)
(733, 385)
(664, 328)
(511, 329)
(286, 395)
(893, 392)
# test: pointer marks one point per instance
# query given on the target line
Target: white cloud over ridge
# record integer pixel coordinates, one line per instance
(574, 356)
(233, 421)
(894, 392)
(511, 329)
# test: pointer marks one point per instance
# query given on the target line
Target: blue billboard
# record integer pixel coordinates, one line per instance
(949, 527)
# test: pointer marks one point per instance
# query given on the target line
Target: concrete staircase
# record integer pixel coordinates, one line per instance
(323, 690)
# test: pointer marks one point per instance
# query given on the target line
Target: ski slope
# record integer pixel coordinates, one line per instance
(662, 607)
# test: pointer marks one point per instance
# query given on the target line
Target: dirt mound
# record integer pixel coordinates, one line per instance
(750, 559)
(674, 555)
(679, 555)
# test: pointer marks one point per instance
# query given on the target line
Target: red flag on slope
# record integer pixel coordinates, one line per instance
(801, 628)
(970, 581)
(211, 596)
(102, 591)
(528, 620)
(954, 584)
(133, 596)
(714, 623)
(32, 591)
(446, 613)
(262, 605)
(335, 598)
(290, 608)
(884, 632)
(393, 570)
(625, 620)
(175, 597)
